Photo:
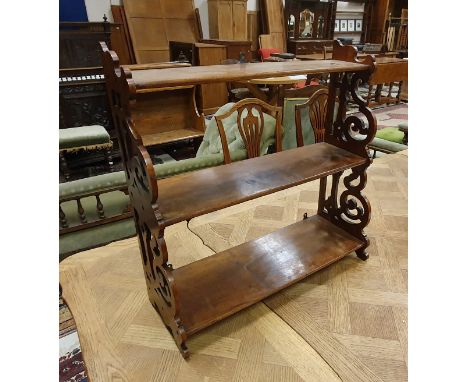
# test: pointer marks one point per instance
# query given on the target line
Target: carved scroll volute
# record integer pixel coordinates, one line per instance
(349, 209)
(349, 132)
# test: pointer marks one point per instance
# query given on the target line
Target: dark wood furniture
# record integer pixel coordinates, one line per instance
(309, 24)
(82, 91)
(390, 71)
(199, 294)
(82, 94)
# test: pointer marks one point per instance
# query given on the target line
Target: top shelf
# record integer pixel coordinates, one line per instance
(196, 75)
(186, 196)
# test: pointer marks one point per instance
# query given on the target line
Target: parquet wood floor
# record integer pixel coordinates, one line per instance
(347, 322)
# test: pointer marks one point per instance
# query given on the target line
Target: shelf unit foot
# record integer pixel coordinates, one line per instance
(362, 254)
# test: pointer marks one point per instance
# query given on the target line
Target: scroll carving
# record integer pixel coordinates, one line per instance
(143, 192)
(345, 205)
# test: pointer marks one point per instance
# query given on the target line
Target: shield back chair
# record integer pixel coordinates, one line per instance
(251, 117)
(316, 110)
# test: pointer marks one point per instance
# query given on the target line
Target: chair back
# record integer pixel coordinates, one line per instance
(266, 52)
(250, 125)
(316, 109)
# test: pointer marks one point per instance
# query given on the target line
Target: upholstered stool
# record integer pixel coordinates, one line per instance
(94, 137)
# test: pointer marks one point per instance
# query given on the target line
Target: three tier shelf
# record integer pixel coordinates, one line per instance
(197, 295)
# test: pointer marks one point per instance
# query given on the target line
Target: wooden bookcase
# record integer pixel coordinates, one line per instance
(197, 295)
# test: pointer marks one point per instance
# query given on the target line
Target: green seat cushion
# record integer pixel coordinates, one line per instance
(289, 124)
(211, 143)
(94, 183)
(90, 238)
(83, 136)
(383, 144)
(390, 134)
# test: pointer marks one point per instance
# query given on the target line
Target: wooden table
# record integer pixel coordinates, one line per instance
(275, 85)
(347, 322)
(319, 56)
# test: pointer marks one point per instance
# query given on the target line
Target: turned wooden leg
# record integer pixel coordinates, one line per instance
(108, 154)
(63, 165)
(362, 253)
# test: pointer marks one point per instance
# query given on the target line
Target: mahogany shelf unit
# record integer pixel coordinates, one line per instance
(195, 296)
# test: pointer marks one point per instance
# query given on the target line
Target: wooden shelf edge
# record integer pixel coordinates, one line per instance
(250, 272)
(183, 197)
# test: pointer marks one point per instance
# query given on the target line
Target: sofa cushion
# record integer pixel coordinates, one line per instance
(81, 137)
(390, 134)
(289, 124)
(90, 238)
(389, 146)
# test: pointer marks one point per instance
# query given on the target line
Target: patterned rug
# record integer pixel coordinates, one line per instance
(71, 365)
(386, 115)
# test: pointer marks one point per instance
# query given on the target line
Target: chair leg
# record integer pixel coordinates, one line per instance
(63, 165)
(108, 154)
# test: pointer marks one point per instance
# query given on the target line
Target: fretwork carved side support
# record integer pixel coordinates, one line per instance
(143, 192)
(344, 204)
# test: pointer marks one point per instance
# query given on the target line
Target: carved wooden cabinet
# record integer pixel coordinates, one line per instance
(228, 19)
(302, 46)
(82, 91)
(309, 25)
(197, 295)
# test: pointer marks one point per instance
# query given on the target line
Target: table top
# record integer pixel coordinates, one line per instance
(284, 80)
(159, 78)
(319, 56)
(312, 331)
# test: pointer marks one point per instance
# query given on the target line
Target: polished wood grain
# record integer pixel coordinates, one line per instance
(157, 78)
(185, 196)
(271, 263)
(159, 204)
(171, 136)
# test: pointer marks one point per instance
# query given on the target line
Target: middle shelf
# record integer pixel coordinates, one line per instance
(186, 196)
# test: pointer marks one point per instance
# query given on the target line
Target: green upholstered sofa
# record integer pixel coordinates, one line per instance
(117, 223)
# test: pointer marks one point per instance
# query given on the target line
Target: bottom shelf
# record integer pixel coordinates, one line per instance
(215, 287)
